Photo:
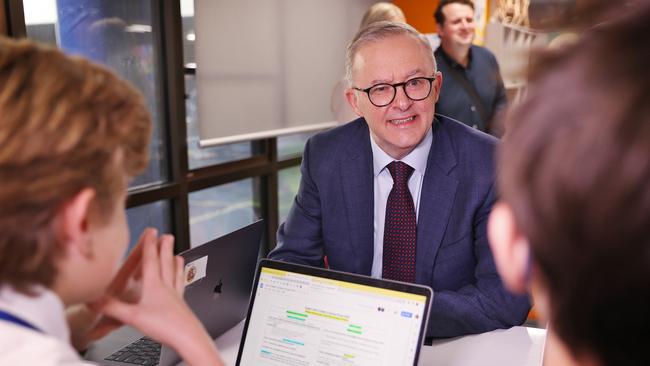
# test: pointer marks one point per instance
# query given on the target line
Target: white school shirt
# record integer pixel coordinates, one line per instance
(24, 346)
(383, 183)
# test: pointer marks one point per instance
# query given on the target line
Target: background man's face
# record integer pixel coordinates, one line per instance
(400, 126)
(458, 28)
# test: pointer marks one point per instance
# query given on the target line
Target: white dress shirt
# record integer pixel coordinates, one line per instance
(50, 346)
(383, 183)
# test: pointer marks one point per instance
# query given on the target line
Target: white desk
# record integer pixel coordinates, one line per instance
(517, 346)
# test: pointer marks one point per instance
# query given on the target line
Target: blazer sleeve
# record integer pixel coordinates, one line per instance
(300, 238)
(484, 305)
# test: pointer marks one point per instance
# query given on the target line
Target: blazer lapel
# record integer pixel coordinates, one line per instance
(436, 202)
(358, 195)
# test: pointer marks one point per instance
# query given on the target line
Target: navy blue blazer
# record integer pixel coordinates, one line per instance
(332, 216)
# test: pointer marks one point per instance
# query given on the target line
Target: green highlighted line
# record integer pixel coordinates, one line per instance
(295, 313)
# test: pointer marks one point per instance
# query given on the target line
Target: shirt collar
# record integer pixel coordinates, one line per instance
(416, 159)
(452, 63)
(45, 311)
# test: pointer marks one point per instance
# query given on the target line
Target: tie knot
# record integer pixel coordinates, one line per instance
(400, 171)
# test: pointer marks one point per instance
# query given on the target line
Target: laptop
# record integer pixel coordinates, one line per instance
(219, 277)
(301, 315)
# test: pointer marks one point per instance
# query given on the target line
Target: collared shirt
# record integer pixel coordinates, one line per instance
(383, 183)
(45, 311)
(483, 73)
(50, 345)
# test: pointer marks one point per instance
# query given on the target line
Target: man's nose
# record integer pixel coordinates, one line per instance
(402, 101)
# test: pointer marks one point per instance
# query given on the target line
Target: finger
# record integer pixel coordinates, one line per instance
(120, 311)
(132, 263)
(179, 283)
(167, 262)
(105, 326)
(150, 263)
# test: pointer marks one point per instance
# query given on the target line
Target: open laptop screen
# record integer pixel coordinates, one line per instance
(307, 316)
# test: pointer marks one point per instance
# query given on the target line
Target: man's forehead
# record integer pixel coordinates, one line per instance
(456, 10)
(401, 53)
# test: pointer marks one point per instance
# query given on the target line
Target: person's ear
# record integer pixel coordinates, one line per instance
(437, 86)
(510, 248)
(351, 96)
(73, 223)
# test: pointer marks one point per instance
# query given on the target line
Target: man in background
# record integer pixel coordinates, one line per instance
(473, 90)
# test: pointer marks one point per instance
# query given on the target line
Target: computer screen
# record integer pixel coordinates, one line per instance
(303, 319)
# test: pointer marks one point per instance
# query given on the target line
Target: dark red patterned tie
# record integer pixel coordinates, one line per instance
(400, 227)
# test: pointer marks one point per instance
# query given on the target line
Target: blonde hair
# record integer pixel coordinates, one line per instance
(64, 123)
(382, 11)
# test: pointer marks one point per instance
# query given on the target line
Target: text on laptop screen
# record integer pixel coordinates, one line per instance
(299, 319)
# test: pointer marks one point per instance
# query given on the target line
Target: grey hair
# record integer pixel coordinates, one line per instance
(378, 31)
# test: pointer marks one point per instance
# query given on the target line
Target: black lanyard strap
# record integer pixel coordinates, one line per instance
(16, 320)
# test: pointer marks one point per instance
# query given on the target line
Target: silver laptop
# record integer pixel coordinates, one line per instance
(219, 278)
(302, 315)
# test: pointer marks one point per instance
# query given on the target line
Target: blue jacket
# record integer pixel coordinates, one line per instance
(332, 216)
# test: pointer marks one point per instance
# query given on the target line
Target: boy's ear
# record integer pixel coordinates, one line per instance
(510, 248)
(72, 228)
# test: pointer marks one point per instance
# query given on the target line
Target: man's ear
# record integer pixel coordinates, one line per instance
(437, 86)
(351, 96)
(72, 226)
(510, 248)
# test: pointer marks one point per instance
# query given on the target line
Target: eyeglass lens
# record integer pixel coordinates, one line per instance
(383, 94)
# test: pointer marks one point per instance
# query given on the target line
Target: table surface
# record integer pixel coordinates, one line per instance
(517, 346)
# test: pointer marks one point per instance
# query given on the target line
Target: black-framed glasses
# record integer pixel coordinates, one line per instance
(381, 95)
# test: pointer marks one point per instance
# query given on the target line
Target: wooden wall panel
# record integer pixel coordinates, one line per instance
(3, 18)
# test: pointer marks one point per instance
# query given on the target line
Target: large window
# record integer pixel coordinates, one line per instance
(195, 193)
(119, 34)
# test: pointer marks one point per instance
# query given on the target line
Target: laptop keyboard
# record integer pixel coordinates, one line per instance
(144, 351)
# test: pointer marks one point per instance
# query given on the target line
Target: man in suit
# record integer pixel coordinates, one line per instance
(430, 226)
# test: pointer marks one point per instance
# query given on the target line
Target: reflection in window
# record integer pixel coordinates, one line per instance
(156, 215)
(119, 34)
(217, 211)
(288, 183)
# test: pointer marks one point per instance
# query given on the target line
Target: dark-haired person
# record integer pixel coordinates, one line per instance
(71, 136)
(573, 220)
(400, 194)
(473, 91)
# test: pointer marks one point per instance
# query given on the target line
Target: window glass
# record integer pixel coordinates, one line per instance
(219, 210)
(290, 146)
(156, 215)
(288, 183)
(119, 34)
(199, 157)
